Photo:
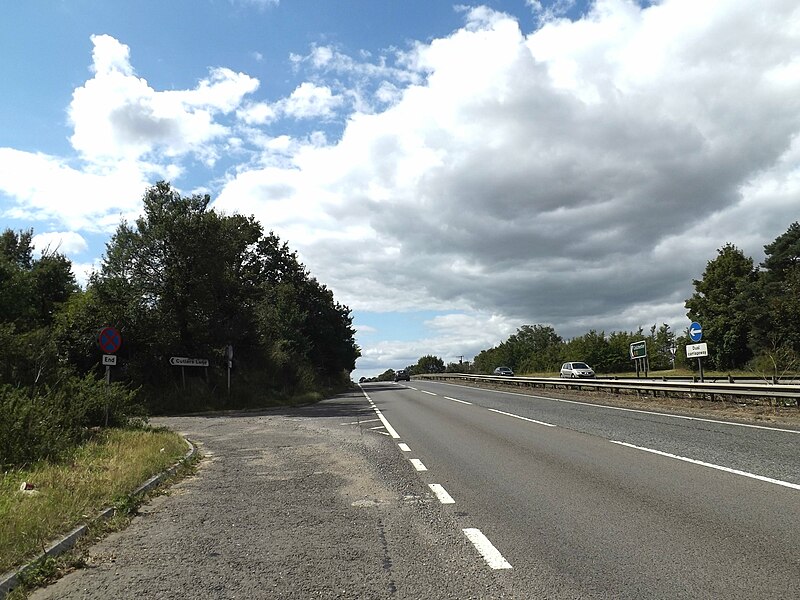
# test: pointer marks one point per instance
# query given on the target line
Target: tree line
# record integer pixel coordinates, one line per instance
(750, 316)
(182, 280)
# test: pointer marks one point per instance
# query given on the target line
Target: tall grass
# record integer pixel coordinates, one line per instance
(95, 475)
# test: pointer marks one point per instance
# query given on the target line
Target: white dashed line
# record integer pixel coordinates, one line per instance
(418, 464)
(633, 410)
(793, 486)
(521, 418)
(441, 493)
(490, 554)
(429, 393)
(457, 400)
(404, 447)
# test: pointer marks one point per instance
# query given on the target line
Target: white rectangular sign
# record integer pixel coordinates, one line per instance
(180, 361)
(109, 360)
(696, 350)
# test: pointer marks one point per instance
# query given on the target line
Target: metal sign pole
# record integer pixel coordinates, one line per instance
(700, 365)
(108, 390)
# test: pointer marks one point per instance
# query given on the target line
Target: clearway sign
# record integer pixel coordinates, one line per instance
(180, 361)
(696, 350)
(695, 331)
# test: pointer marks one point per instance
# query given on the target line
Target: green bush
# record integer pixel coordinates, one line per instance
(45, 423)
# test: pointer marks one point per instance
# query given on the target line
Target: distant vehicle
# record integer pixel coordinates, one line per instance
(577, 370)
(505, 371)
(402, 374)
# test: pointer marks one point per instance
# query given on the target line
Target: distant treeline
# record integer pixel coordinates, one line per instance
(750, 317)
(181, 281)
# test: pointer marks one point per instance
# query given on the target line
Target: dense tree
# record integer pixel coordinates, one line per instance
(779, 327)
(186, 281)
(726, 303)
(427, 364)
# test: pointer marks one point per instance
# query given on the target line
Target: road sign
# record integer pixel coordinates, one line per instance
(696, 350)
(109, 360)
(695, 331)
(638, 350)
(180, 361)
(109, 340)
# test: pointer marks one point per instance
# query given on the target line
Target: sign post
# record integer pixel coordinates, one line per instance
(696, 334)
(109, 340)
(638, 352)
(229, 357)
(182, 361)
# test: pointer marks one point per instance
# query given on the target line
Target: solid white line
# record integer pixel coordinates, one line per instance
(418, 464)
(429, 393)
(441, 493)
(633, 410)
(457, 400)
(404, 447)
(521, 418)
(383, 433)
(374, 428)
(386, 423)
(793, 486)
(490, 554)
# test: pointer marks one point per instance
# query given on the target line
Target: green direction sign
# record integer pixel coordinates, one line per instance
(638, 350)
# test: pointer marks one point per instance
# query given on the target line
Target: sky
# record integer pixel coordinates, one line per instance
(451, 171)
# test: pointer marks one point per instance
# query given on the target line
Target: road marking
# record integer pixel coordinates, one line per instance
(489, 553)
(383, 433)
(361, 422)
(374, 428)
(793, 486)
(441, 493)
(386, 423)
(418, 464)
(457, 400)
(429, 393)
(404, 447)
(634, 410)
(412, 388)
(521, 418)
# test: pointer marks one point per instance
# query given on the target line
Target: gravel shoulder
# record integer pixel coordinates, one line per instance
(302, 503)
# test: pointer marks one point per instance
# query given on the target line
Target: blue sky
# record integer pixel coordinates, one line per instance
(451, 171)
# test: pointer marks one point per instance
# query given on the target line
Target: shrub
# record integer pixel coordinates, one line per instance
(45, 423)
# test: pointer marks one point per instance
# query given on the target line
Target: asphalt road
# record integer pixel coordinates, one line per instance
(430, 490)
(588, 501)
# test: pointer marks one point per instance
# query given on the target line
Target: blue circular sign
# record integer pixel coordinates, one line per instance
(695, 331)
(109, 340)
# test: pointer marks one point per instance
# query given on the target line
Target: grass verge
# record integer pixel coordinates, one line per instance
(101, 473)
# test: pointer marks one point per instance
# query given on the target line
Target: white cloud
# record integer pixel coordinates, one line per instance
(118, 115)
(50, 190)
(310, 101)
(64, 242)
(579, 175)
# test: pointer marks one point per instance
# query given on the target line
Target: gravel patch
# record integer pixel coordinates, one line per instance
(304, 503)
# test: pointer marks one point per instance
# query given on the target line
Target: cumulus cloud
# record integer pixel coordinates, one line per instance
(580, 174)
(118, 115)
(64, 242)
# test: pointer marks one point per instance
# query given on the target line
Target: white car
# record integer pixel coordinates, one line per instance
(577, 370)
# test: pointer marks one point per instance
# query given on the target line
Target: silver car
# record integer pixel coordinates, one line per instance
(577, 370)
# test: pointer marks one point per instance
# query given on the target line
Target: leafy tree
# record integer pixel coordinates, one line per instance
(779, 326)
(186, 281)
(726, 303)
(429, 364)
